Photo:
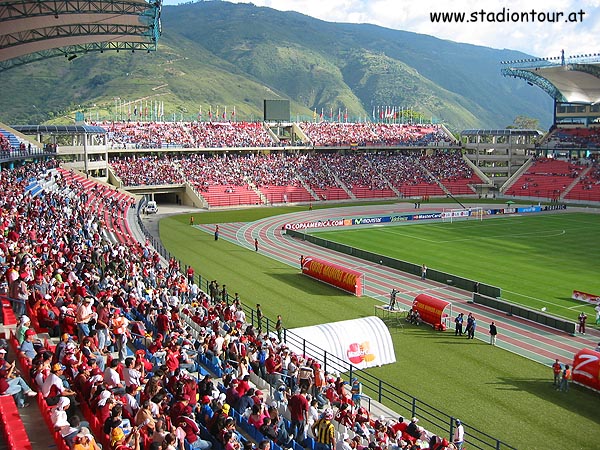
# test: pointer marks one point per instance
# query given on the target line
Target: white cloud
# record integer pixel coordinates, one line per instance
(533, 37)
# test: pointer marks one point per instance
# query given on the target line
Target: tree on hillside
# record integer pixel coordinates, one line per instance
(524, 123)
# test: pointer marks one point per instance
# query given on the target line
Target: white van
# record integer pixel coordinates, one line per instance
(151, 207)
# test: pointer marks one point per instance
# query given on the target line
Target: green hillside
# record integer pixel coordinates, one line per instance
(219, 53)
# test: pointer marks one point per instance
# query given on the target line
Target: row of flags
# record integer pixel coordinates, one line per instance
(391, 114)
(155, 110)
(140, 109)
(216, 114)
(339, 115)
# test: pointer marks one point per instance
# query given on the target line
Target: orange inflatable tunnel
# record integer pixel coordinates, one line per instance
(347, 279)
(433, 311)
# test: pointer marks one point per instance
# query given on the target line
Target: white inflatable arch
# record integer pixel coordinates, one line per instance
(362, 342)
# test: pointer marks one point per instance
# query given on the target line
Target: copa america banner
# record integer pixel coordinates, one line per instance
(586, 368)
(347, 279)
(364, 342)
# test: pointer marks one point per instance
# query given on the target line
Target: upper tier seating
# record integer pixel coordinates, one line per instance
(573, 138)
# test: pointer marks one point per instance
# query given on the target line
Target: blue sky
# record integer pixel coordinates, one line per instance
(579, 36)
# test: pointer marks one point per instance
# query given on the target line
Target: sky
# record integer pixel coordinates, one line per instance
(542, 28)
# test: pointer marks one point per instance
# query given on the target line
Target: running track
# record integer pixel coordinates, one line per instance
(529, 339)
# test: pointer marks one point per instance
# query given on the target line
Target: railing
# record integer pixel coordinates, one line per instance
(433, 419)
(17, 154)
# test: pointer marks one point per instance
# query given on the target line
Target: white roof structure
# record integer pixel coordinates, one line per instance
(575, 79)
(575, 85)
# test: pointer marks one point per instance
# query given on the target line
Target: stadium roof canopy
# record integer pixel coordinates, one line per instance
(59, 129)
(575, 79)
(32, 30)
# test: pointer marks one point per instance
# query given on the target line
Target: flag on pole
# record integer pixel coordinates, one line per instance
(321, 113)
(346, 115)
(339, 114)
(200, 114)
(210, 112)
(315, 115)
(233, 113)
(224, 112)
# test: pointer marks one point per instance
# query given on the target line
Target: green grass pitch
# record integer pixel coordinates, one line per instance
(537, 260)
(505, 395)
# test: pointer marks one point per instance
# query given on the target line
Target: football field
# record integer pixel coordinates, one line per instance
(537, 260)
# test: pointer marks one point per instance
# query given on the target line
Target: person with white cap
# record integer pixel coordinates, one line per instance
(85, 441)
(459, 435)
(345, 443)
(413, 429)
(22, 326)
(4, 364)
(324, 431)
(60, 420)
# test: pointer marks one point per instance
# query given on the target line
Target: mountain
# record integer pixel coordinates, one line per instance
(226, 54)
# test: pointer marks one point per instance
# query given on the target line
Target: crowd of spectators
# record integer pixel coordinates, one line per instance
(251, 134)
(187, 134)
(5, 146)
(354, 170)
(592, 179)
(320, 171)
(87, 289)
(367, 133)
(573, 138)
(400, 168)
(447, 166)
(148, 170)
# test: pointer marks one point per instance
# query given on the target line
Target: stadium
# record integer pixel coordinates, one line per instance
(362, 242)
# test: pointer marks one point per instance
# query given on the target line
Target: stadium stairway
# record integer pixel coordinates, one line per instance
(306, 186)
(285, 194)
(576, 183)
(436, 180)
(251, 185)
(343, 186)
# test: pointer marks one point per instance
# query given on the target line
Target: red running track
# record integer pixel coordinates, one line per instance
(526, 338)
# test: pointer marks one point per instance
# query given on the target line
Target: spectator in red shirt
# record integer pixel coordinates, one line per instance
(298, 407)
